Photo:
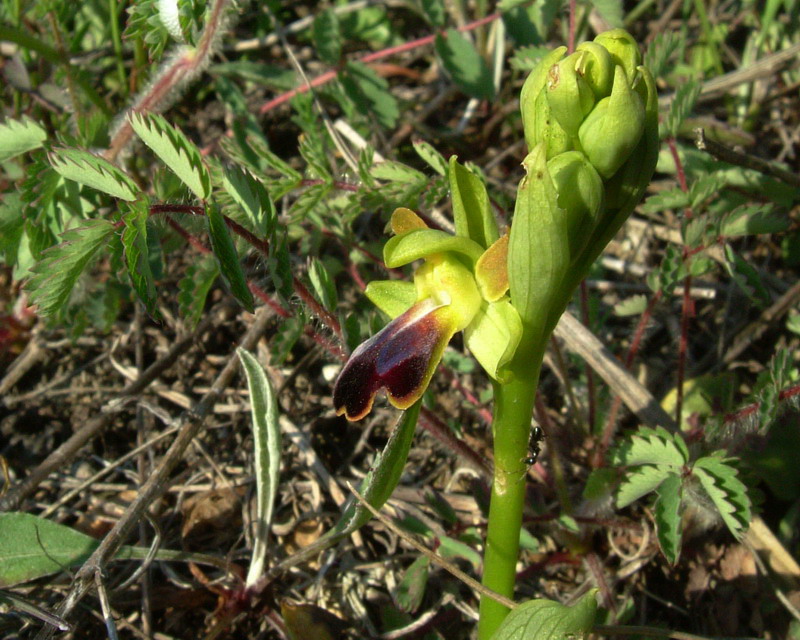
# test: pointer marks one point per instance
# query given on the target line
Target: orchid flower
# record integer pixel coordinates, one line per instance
(461, 286)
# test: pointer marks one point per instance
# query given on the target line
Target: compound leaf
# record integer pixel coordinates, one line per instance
(55, 274)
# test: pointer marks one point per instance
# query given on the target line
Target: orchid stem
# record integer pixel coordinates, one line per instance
(513, 404)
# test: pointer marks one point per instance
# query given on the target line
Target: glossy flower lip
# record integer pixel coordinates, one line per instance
(401, 359)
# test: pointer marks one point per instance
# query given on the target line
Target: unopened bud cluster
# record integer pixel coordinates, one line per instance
(591, 111)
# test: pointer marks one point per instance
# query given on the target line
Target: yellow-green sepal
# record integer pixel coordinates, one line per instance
(472, 211)
(393, 297)
(493, 337)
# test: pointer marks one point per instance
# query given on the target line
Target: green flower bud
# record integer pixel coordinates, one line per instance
(580, 195)
(626, 187)
(570, 96)
(597, 68)
(622, 48)
(613, 128)
(547, 129)
(532, 88)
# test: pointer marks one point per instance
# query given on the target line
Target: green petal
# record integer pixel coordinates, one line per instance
(493, 336)
(421, 243)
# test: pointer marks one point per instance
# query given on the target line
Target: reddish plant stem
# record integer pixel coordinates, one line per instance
(371, 57)
(687, 308)
(439, 430)
(749, 410)
(687, 313)
(611, 423)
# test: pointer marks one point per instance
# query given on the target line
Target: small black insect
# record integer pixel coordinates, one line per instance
(535, 446)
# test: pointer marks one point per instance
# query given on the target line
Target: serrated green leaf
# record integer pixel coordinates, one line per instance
(633, 306)
(397, 172)
(55, 274)
(746, 277)
(431, 156)
(704, 188)
(640, 481)
(251, 195)
(370, 93)
(323, 284)
(95, 172)
(682, 104)
(225, 253)
(668, 517)
(728, 493)
(526, 58)
(669, 199)
(549, 620)
(174, 149)
(266, 457)
(649, 446)
(194, 288)
(411, 589)
(137, 259)
(327, 37)
(752, 220)
(659, 51)
(465, 65)
(19, 136)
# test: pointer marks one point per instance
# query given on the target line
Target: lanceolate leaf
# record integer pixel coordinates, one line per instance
(668, 517)
(225, 252)
(463, 62)
(194, 288)
(384, 474)
(370, 93)
(93, 171)
(134, 241)
(32, 547)
(266, 457)
(175, 151)
(58, 270)
(19, 136)
(549, 620)
(324, 286)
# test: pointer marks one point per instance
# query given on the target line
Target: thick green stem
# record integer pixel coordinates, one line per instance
(513, 404)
